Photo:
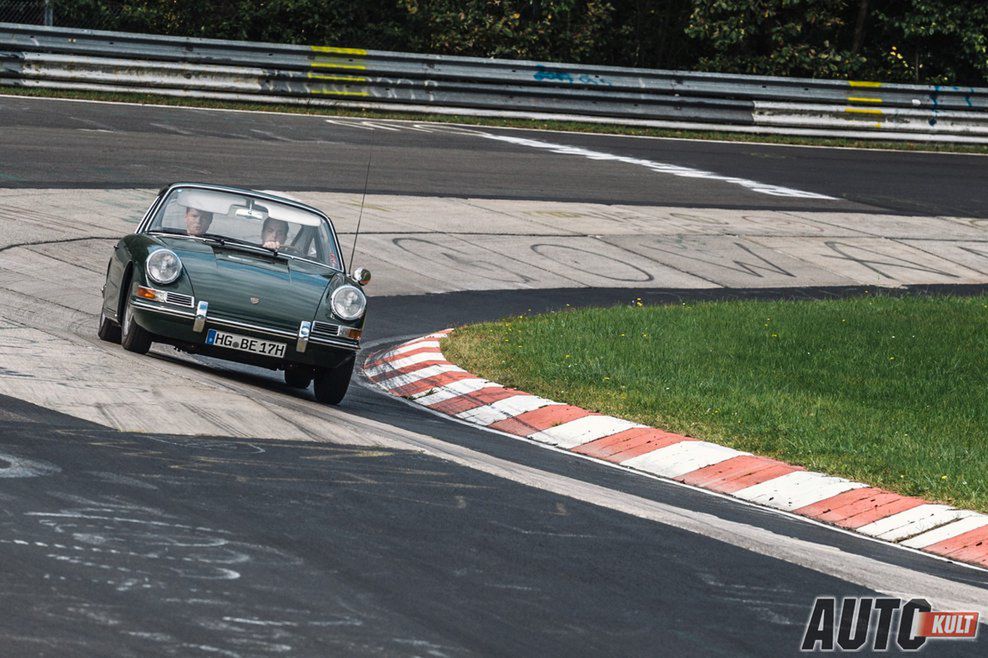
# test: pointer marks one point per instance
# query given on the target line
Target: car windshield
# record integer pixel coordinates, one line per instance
(247, 221)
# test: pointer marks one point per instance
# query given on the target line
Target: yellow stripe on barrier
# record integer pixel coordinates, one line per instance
(333, 92)
(321, 61)
(337, 78)
(859, 83)
(863, 110)
(336, 65)
(863, 99)
(333, 50)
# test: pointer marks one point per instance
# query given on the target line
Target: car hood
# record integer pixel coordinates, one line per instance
(254, 288)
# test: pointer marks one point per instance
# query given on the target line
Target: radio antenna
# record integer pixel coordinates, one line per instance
(363, 197)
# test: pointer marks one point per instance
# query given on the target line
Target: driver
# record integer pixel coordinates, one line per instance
(197, 221)
(274, 233)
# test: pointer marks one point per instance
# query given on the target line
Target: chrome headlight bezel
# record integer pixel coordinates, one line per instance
(347, 310)
(163, 273)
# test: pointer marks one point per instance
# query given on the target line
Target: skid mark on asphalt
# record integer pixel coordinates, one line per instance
(13, 466)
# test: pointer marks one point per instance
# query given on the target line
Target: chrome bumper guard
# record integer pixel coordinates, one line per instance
(202, 311)
(200, 322)
(303, 337)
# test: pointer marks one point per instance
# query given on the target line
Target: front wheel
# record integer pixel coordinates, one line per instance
(133, 337)
(108, 330)
(331, 384)
(297, 377)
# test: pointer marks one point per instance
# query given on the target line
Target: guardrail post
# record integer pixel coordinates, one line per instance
(49, 13)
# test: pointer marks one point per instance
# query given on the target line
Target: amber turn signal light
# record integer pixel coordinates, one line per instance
(147, 293)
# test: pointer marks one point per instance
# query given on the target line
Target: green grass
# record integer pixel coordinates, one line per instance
(570, 126)
(886, 390)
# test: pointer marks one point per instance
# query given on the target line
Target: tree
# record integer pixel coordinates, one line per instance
(929, 41)
(773, 37)
(562, 30)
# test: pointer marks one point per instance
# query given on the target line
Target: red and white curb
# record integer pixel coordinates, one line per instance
(418, 371)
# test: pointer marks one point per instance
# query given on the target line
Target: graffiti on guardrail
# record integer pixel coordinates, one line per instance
(935, 94)
(543, 73)
(65, 58)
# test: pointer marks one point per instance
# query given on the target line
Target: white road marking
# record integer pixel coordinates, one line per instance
(503, 409)
(452, 390)
(414, 345)
(582, 430)
(482, 415)
(268, 133)
(682, 458)
(661, 167)
(412, 377)
(348, 124)
(797, 489)
(383, 126)
(915, 521)
(406, 361)
(947, 531)
(519, 404)
(173, 129)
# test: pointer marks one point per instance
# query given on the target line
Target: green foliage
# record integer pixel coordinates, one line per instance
(567, 30)
(773, 37)
(927, 41)
(931, 41)
(361, 23)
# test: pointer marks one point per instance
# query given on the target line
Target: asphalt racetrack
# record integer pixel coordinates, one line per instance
(167, 505)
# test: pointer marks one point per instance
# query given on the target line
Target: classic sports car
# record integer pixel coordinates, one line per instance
(239, 275)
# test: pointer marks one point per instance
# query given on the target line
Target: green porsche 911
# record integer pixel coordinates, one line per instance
(239, 275)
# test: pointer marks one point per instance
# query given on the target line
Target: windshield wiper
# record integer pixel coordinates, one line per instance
(225, 241)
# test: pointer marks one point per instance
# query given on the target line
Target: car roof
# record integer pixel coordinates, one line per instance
(244, 190)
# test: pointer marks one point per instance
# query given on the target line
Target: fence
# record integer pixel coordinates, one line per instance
(67, 58)
(38, 12)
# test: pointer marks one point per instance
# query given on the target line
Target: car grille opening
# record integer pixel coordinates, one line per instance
(325, 329)
(179, 299)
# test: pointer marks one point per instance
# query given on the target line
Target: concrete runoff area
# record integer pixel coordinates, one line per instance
(444, 244)
(54, 245)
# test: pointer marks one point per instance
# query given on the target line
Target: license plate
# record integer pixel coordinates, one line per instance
(245, 343)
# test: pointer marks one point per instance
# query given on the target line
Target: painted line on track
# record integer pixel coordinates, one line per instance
(443, 388)
(660, 167)
(428, 126)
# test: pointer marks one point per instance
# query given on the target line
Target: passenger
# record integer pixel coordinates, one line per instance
(197, 221)
(274, 233)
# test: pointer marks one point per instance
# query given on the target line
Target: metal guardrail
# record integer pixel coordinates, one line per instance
(65, 58)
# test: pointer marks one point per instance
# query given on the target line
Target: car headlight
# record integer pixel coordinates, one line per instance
(163, 266)
(348, 302)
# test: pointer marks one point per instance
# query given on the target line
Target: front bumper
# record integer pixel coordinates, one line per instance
(188, 328)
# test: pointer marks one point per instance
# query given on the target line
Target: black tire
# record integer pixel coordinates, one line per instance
(332, 383)
(298, 377)
(133, 337)
(108, 330)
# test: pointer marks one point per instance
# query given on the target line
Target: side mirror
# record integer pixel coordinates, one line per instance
(362, 275)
